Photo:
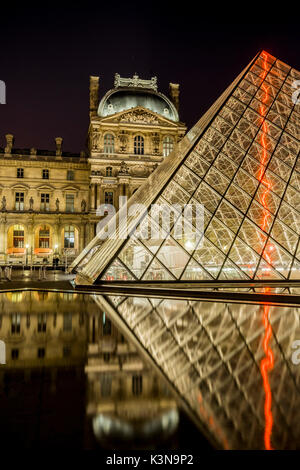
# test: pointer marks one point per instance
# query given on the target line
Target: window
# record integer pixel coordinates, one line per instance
(106, 325)
(69, 237)
(67, 325)
(44, 237)
(70, 175)
(45, 202)
(109, 143)
(69, 202)
(137, 384)
(109, 197)
(20, 172)
(19, 201)
(168, 144)
(42, 323)
(105, 385)
(109, 171)
(14, 354)
(18, 236)
(139, 145)
(41, 353)
(15, 323)
(45, 174)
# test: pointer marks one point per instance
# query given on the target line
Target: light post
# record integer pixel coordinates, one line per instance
(27, 246)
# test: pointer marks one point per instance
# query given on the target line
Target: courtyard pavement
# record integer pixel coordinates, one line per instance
(54, 279)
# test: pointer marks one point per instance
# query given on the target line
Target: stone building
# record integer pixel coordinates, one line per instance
(49, 199)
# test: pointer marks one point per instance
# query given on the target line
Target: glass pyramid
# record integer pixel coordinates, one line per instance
(240, 164)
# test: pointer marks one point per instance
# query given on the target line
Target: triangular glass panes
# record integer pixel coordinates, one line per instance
(240, 164)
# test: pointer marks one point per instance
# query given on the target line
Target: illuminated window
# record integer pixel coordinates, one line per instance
(109, 143)
(45, 202)
(137, 384)
(109, 171)
(19, 201)
(69, 202)
(20, 172)
(44, 237)
(168, 144)
(70, 175)
(69, 236)
(42, 323)
(139, 145)
(45, 174)
(18, 236)
(15, 323)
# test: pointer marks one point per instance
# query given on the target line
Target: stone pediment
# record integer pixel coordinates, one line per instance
(139, 115)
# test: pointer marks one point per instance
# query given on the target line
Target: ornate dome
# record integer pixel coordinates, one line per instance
(136, 93)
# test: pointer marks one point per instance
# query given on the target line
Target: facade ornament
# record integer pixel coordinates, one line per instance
(135, 82)
(33, 152)
(123, 138)
(124, 169)
(3, 204)
(58, 142)
(83, 205)
(31, 201)
(155, 142)
(95, 139)
(9, 144)
(139, 116)
(57, 205)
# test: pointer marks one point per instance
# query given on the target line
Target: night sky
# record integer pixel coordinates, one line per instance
(48, 53)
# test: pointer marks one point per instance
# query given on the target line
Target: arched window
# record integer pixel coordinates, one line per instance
(69, 236)
(168, 144)
(44, 237)
(18, 236)
(109, 143)
(108, 171)
(139, 145)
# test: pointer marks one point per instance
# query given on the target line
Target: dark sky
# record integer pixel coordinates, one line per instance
(49, 51)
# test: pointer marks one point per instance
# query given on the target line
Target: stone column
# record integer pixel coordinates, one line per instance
(98, 188)
(92, 196)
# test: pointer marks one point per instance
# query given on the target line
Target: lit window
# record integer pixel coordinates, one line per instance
(69, 237)
(45, 202)
(137, 384)
(109, 171)
(20, 172)
(42, 323)
(139, 145)
(18, 236)
(15, 323)
(69, 202)
(109, 143)
(168, 144)
(44, 237)
(70, 175)
(45, 174)
(19, 201)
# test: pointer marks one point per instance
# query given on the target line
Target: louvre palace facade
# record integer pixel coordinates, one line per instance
(49, 198)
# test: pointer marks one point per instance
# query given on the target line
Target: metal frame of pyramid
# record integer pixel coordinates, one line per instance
(240, 161)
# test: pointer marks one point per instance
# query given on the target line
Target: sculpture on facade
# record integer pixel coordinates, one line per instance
(83, 205)
(3, 206)
(124, 169)
(31, 201)
(57, 205)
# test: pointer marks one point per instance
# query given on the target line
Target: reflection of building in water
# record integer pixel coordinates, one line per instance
(126, 401)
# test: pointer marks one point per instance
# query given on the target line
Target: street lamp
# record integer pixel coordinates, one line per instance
(27, 246)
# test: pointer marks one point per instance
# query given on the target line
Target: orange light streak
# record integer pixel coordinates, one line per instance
(267, 363)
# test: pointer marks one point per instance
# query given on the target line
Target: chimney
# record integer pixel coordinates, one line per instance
(58, 142)
(174, 93)
(94, 96)
(9, 144)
